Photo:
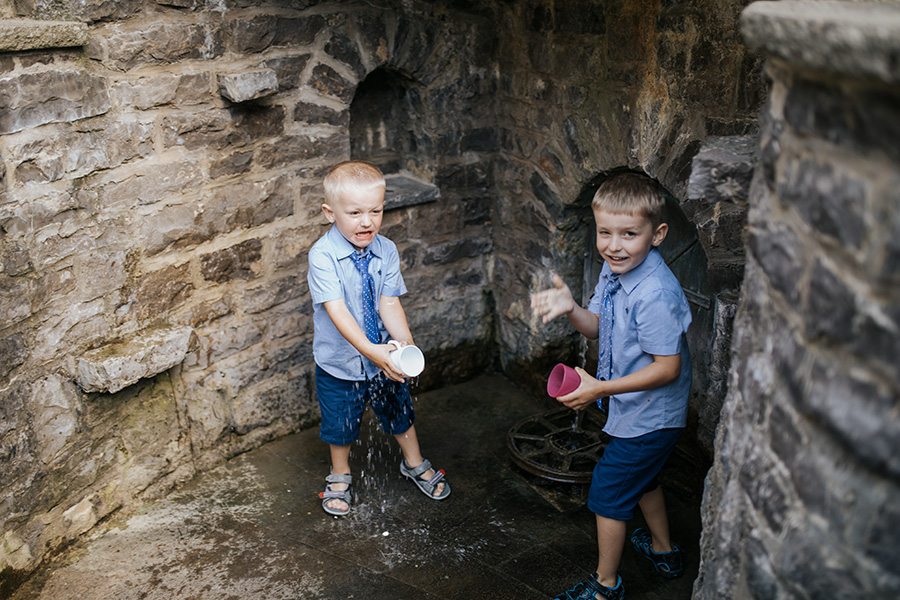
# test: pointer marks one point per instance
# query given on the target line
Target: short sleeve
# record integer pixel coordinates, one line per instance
(324, 283)
(393, 285)
(596, 303)
(661, 318)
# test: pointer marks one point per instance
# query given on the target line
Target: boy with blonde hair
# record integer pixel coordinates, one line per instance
(640, 315)
(355, 283)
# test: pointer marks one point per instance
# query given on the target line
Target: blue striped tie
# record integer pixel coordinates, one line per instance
(370, 319)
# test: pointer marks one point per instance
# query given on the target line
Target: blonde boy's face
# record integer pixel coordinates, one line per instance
(624, 240)
(357, 215)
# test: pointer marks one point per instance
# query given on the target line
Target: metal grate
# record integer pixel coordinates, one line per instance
(559, 445)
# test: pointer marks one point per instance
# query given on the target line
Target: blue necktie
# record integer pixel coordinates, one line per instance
(370, 319)
(604, 364)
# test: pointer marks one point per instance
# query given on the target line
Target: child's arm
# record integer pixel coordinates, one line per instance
(550, 304)
(663, 370)
(394, 318)
(379, 354)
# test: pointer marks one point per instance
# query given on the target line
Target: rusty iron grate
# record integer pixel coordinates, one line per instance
(559, 445)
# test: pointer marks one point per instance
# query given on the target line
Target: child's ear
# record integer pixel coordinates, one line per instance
(660, 234)
(329, 214)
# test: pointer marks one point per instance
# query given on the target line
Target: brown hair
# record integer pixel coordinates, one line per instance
(351, 175)
(631, 193)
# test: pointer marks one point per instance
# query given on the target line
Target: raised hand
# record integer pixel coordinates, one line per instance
(549, 304)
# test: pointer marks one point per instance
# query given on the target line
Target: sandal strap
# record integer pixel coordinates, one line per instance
(437, 477)
(334, 494)
(338, 478)
(416, 471)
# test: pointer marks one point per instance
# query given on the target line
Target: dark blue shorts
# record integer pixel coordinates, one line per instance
(343, 402)
(627, 470)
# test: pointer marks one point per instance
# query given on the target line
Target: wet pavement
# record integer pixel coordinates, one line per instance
(253, 528)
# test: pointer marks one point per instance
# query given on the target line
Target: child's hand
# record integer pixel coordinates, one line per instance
(552, 303)
(587, 393)
(381, 356)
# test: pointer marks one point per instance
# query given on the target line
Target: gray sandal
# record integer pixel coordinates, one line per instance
(329, 494)
(426, 485)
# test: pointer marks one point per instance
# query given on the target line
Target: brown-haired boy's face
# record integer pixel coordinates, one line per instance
(624, 240)
(357, 215)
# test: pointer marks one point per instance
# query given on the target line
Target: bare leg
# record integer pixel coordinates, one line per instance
(610, 541)
(409, 445)
(340, 465)
(653, 505)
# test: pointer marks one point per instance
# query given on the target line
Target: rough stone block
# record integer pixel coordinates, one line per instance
(316, 114)
(722, 171)
(249, 85)
(219, 129)
(301, 148)
(17, 35)
(288, 70)
(346, 51)
(454, 250)
(852, 38)
(154, 183)
(160, 90)
(271, 294)
(780, 255)
(832, 202)
(114, 367)
(241, 261)
(406, 191)
(80, 153)
(329, 82)
(235, 163)
(57, 96)
(157, 293)
(250, 36)
(159, 41)
(276, 400)
(55, 407)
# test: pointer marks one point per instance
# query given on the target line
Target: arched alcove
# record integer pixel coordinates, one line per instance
(387, 128)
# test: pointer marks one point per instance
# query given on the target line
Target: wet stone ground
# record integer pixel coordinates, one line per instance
(253, 528)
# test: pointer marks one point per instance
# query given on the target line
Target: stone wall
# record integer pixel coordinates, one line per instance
(160, 167)
(803, 500)
(159, 188)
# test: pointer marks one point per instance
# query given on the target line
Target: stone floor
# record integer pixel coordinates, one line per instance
(253, 528)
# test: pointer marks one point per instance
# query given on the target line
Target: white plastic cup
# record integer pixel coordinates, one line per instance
(409, 360)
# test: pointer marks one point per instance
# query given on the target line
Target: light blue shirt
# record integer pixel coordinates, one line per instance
(651, 317)
(332, 275)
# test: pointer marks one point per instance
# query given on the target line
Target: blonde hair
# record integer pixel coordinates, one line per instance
(631, 193)
(349, 176)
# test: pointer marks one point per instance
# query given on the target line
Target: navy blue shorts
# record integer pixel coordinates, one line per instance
(627, 470)
(343, 402)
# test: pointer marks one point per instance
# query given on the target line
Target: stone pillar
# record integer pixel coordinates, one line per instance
(803, 500)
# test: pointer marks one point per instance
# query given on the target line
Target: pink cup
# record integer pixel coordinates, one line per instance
(563, 380)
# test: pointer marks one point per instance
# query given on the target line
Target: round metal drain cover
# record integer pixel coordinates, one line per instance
(560, 445)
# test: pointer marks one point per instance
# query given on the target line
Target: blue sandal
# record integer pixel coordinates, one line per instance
(668, 564)
(426, 485)
(590, 587)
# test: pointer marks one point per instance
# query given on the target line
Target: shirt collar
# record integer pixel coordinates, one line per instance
(343, 249)
(632, 278)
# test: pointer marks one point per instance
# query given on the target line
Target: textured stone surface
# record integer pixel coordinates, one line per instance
(805, 468)
(114, 367)
(25, 34)
(33, 99)
(249, 85)
(853, 38)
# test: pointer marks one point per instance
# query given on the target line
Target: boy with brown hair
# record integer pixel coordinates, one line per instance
(640, 315)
